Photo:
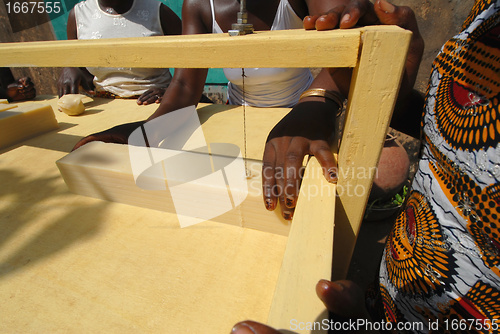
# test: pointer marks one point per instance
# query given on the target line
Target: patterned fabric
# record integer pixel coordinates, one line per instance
(441, 262)
(141, 20)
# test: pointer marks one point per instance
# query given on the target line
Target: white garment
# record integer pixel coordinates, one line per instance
(268, 87)
(142, 20)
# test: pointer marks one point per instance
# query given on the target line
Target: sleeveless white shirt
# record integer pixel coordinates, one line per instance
(268, 87)
(141, 20)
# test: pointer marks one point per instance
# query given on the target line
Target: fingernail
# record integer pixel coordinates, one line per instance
(289, 202)
(345, 18)
(332, 174)
(387, 7)
(269, 204)
(242, 329)
(287, 215)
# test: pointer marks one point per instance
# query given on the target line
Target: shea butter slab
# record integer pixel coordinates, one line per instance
(197, 186)
(25, 121)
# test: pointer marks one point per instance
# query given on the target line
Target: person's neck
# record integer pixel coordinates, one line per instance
(115, 6)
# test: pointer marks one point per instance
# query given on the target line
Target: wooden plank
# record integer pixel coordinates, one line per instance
(262, 49)
(373, 93)
(308, 254)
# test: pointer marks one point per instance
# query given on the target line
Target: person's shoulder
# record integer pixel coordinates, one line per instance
(193, 8)
(196, 3)
(87, 4)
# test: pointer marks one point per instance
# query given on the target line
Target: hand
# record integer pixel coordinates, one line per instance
(72, 78)
(306, 129)
(153, 95)
(363, 12)
(342, 298)
(23, 89)
(118, 134)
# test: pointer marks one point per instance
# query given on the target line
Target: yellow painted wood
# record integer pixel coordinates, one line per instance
(76, 264)
(262, 49)
(99, 257)
(308, 255)
(373, 93)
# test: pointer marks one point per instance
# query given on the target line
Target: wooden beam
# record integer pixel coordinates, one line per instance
(373, 93)
(285, 48)
(308, 254)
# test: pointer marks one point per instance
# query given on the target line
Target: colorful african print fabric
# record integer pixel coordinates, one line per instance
(440, 270)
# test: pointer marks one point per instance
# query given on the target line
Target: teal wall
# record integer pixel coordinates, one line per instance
(215, 76)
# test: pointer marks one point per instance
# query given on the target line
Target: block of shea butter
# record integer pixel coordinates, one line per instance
(19, 122)
(197, 186)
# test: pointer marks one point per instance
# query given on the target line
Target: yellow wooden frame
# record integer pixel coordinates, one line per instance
(377, 55)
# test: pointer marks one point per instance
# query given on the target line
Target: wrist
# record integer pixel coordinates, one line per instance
(323, 95)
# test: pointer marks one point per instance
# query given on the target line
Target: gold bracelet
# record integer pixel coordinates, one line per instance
(327, 94)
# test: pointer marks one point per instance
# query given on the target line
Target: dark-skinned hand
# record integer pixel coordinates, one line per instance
(72, 78)
(306, 130)
(341, 298)
(151, 96)
(118, 134)
(23, 89)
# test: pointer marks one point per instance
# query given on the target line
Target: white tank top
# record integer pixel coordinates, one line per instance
(268, 87)
(142, 20)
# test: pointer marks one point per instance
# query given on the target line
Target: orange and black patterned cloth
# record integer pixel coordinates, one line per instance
(440, 270)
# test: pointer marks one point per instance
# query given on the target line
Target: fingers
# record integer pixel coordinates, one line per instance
(397, 15)
(87, 85)
(326, 21)
(268, 177)
(84, 141)
(343, 298)
(321, 150)
(281, 176)
(150, 96)
(293, 172)
(357, 12)
(252, 327)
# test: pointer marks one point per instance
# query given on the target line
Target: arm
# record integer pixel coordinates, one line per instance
(305, 132)
(72, 77)
(171, 25)
(187, 84)
(185, 89)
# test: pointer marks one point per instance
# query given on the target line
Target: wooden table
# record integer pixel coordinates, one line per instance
(72, 246)
(70, 263)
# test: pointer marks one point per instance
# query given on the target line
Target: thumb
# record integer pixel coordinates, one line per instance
(344, 298)
(390, 14)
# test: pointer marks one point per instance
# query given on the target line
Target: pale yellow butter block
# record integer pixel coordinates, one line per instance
(104, 170)
(4, 101)
(25, 121)
(6, 106)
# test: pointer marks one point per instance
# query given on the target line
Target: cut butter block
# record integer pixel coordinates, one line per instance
(104, 171)
(25, 121)
(5, 106)
(3, 101)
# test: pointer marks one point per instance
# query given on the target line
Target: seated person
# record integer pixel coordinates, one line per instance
(95, 19)
(213, 16)
(15, 90)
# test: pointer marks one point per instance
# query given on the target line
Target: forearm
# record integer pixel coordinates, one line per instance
(185, 90)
